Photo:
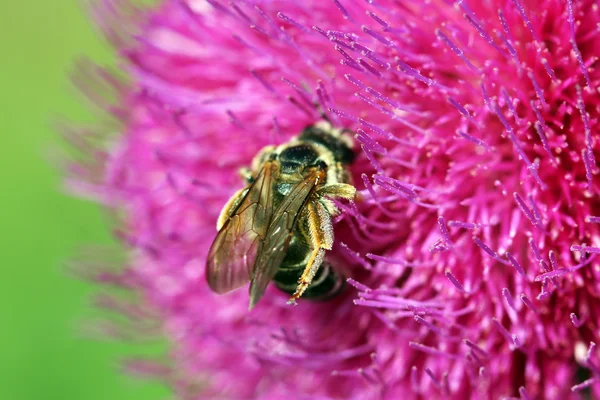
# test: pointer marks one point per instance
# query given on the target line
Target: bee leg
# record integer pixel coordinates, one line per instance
(338, 190)
(335, 191)
(321, 239)
(311, 269)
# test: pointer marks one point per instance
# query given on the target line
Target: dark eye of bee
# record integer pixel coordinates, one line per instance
(295, 157)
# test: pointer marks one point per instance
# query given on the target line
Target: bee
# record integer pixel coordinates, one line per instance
(279, 227)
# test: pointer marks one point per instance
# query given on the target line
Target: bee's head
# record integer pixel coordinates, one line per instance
(334, 140)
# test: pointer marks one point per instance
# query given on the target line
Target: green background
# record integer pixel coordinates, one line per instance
(43, 354)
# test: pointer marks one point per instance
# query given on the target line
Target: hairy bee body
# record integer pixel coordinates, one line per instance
(290, 227)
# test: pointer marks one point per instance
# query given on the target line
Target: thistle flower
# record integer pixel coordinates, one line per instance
(472, 244)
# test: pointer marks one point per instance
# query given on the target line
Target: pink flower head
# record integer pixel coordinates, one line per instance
(471, 246)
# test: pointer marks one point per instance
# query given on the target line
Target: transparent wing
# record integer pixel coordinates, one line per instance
(279, 234)
(234, 250)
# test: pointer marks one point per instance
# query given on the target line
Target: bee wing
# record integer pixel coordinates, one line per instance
(234, 250)
(278, 236)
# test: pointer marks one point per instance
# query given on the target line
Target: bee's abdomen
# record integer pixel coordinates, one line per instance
(326, 283)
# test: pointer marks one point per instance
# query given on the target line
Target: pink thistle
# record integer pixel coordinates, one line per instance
(472, 247)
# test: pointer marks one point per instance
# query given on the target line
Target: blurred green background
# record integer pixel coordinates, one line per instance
(43, 354)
